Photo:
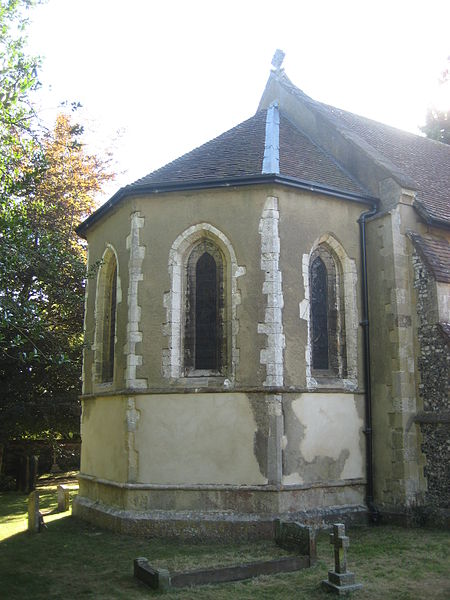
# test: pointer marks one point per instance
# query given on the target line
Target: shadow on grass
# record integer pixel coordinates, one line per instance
(12, 504)
(74, 559)
(15, 504)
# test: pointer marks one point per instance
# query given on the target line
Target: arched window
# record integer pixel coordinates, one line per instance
(205, 335)
(213, 283)
(327, 322)
(105, 317)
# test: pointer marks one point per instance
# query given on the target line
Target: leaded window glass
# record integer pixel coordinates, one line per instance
(109, 323)
(319, 314)
(204, 337)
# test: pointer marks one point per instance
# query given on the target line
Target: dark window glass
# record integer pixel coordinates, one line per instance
(206, 314)
(319, 314)
(110, 327)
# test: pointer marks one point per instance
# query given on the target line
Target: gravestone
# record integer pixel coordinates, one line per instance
(296, 537)
(158, 579)
(63, 498)
(300, 539)
(55, 467)
(34, 515)
(340, 581)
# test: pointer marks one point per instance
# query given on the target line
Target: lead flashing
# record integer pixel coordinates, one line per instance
(271, 160)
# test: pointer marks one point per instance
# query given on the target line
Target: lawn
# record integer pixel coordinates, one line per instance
(72, 559)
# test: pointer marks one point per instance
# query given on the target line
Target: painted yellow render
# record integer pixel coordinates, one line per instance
(103, 430)
(331, 425)
(196, 439)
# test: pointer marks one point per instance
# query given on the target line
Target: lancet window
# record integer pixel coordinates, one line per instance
(327, 321)
(106, 310)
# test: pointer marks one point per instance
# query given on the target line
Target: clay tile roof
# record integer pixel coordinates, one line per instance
(426, 162)
(436, 254)
(240, 152)
(235, 153)
(416, 161)
(302, 159)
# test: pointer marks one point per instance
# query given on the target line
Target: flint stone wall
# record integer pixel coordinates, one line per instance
(433, 365)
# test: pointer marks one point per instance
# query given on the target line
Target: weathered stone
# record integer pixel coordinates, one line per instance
(340, 581)
(297, 537)
(163, 580)
(157, 579)
(34, 515)
(434, 368)
(63, 498)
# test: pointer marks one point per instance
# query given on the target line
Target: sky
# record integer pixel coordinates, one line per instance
(157, 78)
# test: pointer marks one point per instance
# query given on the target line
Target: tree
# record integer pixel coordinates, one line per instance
(48, 184)
(42, 270)
(437, 123)
(70, 180)
(18, 79)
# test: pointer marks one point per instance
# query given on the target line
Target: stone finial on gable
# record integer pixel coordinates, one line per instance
(277, 59)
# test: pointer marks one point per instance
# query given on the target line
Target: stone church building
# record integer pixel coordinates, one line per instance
(267, 330)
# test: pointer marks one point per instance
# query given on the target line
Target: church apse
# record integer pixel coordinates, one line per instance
(234, 383)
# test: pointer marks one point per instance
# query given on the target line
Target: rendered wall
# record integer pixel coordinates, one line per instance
(301, 448)
(225, 439)
(103, 430)
(302, 219)
(323, 438)
(197, 439)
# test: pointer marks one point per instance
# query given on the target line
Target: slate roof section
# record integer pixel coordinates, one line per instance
(240, 152)
(435, 253)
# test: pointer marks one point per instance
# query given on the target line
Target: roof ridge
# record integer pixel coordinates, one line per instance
(394, 129)
(287, 83)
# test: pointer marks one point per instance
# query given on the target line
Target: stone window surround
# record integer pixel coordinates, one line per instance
(348, 280)
(109, 258)
(174, 300)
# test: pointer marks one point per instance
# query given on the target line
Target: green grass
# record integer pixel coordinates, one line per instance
(72, 559)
